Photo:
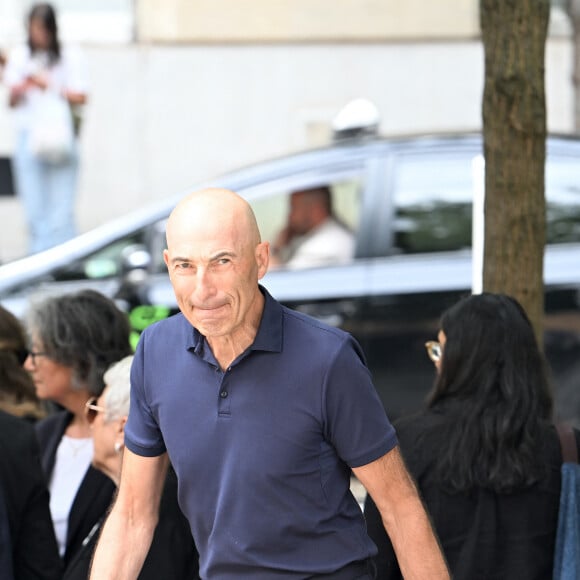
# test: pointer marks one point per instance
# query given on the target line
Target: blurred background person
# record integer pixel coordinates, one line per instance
(17, 392)
(75, 338)
(313, 236)
(484, 451)
(28, 548)
(172, 553)
(46, 82)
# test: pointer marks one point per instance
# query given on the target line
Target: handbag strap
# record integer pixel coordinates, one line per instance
(568, 443)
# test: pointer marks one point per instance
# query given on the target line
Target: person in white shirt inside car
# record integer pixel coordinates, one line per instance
(313, 236)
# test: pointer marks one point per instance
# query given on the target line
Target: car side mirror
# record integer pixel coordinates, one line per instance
(134, 266)
(134, 257)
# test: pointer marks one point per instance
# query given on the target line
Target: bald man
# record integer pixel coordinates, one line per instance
(263, 412)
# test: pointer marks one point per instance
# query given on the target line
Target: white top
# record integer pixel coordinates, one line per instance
(329, 243)
(73, 458)
(69, 73)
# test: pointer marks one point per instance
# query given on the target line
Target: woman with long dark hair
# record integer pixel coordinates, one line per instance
(47, 84)
(484, 451)
(17, 392)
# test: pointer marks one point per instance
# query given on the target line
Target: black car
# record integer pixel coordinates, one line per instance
(410, 203)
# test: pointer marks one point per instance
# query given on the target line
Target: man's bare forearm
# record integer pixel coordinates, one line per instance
(404, 517)
(418, 552)
(122, 548)
(128, 531)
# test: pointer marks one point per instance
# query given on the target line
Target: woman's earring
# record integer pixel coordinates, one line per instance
(118, 446)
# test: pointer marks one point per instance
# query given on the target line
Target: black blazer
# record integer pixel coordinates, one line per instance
(94, 494)
(172, 554)
(34, 551)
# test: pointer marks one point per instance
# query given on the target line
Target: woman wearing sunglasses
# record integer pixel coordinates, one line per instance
(484, 451)
(74, 339)
(172, 553)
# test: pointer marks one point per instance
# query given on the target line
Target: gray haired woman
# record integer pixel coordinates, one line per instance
(74, 339)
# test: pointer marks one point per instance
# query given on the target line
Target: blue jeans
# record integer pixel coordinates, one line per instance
(47, 192)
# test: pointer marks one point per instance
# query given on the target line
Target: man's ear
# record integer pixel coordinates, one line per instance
(262, 258)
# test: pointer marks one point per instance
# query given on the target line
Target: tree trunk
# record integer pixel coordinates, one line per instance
(514, 136)
(573, 11)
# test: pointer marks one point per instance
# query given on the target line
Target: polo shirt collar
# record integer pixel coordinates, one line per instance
(268, 337)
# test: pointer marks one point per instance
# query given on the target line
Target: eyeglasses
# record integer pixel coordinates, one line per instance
(434, 350)
(32, 354)
(92, 409)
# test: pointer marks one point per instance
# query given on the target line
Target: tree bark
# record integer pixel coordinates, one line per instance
(514, 135)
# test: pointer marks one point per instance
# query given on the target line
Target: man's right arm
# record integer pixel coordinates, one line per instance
(128, 531)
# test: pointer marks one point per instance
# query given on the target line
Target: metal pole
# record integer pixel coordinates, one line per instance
(478, 224)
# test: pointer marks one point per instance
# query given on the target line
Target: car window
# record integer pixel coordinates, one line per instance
(271, 212)
(432, 202)
(346, 192)
(433, 195)
(101, 264)
(562, 200)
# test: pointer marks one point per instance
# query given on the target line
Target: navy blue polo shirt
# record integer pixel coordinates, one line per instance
(262, 450)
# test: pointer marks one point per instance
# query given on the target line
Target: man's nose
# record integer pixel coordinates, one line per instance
(204, 285)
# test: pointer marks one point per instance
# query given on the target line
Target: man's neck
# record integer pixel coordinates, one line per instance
(226, 349)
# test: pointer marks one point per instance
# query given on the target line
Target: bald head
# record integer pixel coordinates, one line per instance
(214, 208)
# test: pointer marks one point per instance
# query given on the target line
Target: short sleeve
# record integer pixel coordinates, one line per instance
(142, 433)
(355, 420)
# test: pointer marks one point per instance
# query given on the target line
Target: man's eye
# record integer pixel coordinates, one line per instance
(183, 266)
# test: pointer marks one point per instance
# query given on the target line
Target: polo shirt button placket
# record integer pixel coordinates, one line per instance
(224, 397)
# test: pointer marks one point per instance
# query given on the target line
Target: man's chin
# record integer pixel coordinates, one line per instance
(210, 328)
(209, 322)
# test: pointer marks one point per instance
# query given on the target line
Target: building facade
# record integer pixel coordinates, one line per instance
(182, 90)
